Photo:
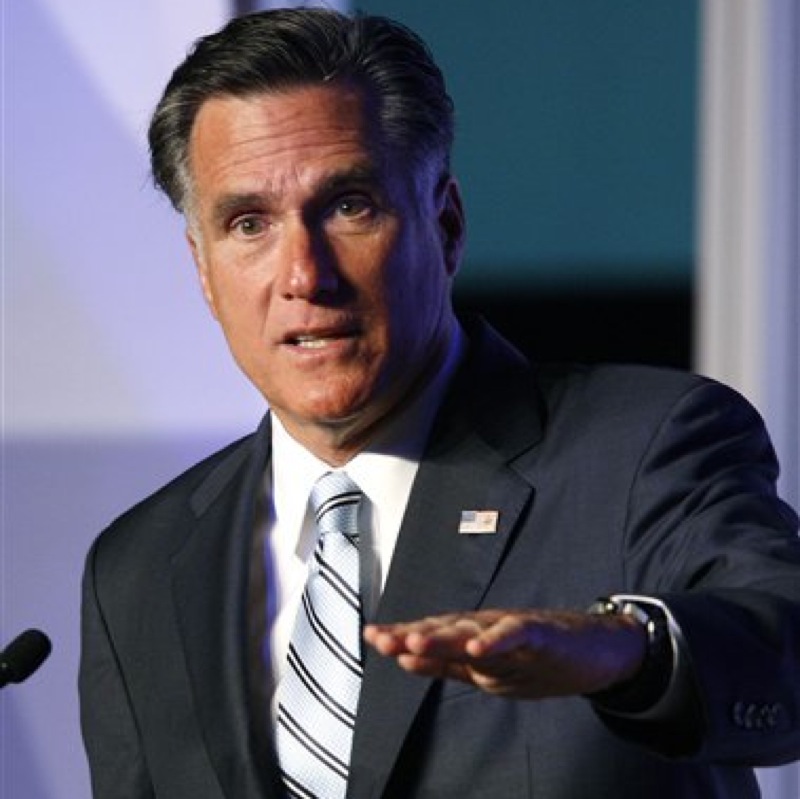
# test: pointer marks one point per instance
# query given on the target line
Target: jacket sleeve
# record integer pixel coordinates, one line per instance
(111, 737)
(706, 527)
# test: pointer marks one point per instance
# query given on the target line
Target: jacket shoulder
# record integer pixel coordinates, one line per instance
(618, 382)
(616, 409)
(625, 392)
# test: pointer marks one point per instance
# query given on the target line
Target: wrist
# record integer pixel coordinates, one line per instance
(651, 679)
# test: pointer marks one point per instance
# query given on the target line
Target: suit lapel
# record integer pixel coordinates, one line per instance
(435, 568)
(210, 591)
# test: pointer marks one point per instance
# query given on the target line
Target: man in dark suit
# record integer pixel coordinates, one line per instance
(496, 501)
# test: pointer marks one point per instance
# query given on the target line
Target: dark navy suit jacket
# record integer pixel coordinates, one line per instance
(606, 479)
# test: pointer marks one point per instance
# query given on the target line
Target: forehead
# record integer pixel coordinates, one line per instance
(293, 131)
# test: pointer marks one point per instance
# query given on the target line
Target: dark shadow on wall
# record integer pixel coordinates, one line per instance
(631, 325)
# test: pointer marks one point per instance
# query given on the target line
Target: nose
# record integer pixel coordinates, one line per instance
(307, 270)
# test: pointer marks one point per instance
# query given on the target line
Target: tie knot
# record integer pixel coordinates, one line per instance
(335, 499)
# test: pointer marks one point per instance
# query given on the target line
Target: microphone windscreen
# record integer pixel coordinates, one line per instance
(23, 656)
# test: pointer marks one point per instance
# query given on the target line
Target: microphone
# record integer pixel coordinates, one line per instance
(23, 656)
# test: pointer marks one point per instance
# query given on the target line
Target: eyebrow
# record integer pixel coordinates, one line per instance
(231, 204)
(359, 175)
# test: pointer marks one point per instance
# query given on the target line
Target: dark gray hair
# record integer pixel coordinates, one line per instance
(273, 51)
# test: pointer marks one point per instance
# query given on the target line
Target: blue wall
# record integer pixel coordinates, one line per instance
(576, 136)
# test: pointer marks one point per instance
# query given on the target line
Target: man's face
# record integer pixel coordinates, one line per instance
(327, 262)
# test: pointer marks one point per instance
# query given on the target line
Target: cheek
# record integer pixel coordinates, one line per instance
(243, 318)
(238, 295)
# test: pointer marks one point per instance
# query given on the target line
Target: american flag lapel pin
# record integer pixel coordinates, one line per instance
(478, 522)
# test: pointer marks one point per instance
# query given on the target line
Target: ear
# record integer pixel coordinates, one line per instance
(202, 271)
(452, 222)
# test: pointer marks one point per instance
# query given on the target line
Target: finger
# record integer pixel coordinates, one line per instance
(385, 642)
(393, 639)
(505, 634)
(403, 628)
(434, 667)
(445, 638)
(440, 635)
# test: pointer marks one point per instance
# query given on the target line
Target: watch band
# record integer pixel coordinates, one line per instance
(650, 683)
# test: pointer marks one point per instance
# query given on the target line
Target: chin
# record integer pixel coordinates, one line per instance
(348, 420)
(334, 405)
(339, 418)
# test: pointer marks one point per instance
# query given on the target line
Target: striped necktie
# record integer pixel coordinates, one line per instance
(320, 688)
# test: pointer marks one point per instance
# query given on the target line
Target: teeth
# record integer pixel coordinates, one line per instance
(310, 342)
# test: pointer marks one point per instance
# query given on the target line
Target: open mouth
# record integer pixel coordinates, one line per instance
(320, 339)
(313, 342)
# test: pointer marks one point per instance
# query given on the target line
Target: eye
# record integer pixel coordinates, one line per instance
(248, 225)
(354, 206)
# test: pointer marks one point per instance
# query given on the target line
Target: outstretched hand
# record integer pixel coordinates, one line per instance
(521, 654)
